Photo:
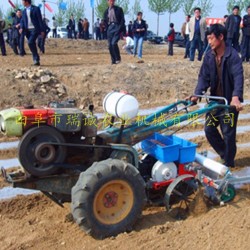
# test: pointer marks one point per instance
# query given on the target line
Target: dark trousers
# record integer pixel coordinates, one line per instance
(32, 36)
(225, 144)
(98, 34)
(245, 52)
(113, 35)
(41, 43)
(196, 43)
(187, 46)
(170, 48)
(16, 44)
(104, 35)
(2, 44)
(21, 44)
(70, 33)
(86, 35)
(54, 33)
(234, 42)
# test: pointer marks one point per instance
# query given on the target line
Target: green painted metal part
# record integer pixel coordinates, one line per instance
(229, 195)
(11, 122)
(136, 132)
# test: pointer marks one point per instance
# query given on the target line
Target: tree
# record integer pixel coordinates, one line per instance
(241, 3)
(75, 8)
(135, 9)
(124, 4)
(206, 7)
(1, 13)
(188, 6)
(102, 5)
(159, 7)
(60, 15)
(173, 6)
(8, 14)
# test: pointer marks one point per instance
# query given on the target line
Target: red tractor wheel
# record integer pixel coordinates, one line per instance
(37, 156)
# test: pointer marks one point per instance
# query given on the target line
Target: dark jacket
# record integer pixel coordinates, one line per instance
(230, 26)
(72, 24)
(130, 30)
(16, 21)
(80, 28)
(119, 17)
(36, 19)
(246, 25)
(2, 25)
(232, 75)
(138, 25)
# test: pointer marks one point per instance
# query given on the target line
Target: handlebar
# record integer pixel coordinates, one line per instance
(212, 97)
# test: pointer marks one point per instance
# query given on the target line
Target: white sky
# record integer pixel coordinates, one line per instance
(219, 10)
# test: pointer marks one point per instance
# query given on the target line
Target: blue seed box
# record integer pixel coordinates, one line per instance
(169, 148)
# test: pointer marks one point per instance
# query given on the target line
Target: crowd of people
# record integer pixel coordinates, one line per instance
(27, 23)
(194, 30)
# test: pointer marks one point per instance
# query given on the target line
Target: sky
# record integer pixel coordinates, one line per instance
(219, 10)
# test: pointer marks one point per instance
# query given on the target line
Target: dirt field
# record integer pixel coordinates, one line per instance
(84, 70)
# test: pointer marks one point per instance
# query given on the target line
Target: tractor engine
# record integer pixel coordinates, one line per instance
(44, 133)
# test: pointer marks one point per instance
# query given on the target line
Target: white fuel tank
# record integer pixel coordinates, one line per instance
(121, 105)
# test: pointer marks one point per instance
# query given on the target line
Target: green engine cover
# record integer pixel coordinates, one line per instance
(11, 122)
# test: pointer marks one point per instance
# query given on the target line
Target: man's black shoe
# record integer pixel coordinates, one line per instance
(36, 63)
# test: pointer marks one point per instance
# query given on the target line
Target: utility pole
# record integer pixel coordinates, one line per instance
(93, 22)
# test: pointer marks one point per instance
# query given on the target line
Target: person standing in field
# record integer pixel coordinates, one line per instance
(171, 37)
(32, 26)
(2, 42)
(245, 54)
(197, 28)
(185, 35)
(139, 30)
(233, 28)
(114, 18)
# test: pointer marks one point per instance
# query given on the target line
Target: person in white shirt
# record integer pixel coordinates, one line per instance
(129, 45)
(185, 34)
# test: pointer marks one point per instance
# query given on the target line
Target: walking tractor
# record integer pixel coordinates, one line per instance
(109, 175)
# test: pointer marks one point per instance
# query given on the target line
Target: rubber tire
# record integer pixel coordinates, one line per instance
(88, 184)
(25, 150)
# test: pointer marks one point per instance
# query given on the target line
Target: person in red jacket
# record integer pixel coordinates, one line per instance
(171, 37)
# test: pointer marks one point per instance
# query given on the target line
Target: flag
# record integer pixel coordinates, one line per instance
(92, 4)
(63, 6)
(48, 7)
(12, 4)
